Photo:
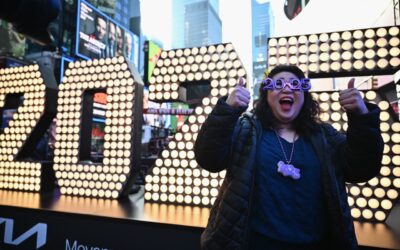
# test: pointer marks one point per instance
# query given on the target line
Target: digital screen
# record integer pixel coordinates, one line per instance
(178, 120)
(98, 125)
(99, 36)
(154, 52)
(97, 143)
(106, 6)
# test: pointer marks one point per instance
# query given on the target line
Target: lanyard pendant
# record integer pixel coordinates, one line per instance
(288, 170)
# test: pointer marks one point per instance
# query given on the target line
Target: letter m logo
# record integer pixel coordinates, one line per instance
(40, 229)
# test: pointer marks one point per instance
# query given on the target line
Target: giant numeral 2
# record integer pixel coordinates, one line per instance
(30, 92)
(115, 175)
(176, 177)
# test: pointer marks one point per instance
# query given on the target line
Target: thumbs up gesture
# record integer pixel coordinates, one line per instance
(351, 100)
(240, 96)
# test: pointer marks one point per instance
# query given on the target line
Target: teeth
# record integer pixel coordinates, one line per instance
(286, 99)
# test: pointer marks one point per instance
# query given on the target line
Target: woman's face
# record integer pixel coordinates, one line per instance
(285, 103)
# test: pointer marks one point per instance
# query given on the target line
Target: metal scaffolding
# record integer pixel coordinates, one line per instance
(396, 12)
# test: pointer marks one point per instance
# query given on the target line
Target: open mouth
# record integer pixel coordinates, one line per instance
(286, 103)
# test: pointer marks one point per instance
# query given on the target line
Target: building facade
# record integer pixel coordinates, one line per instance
(196, 23)
(262, 29)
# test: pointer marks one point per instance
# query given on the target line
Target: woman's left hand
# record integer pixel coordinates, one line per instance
(351, 101)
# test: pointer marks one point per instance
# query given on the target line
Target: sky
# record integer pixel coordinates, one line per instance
(156, 19)
(317, 17)
(236, 28)
(329, 16)
(157, 24)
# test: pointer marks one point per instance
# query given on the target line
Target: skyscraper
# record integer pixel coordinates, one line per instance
(125, 10)
(127, 13)
(262, 29)
(196, 23)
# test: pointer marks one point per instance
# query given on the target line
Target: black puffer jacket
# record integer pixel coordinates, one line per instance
(227, 142)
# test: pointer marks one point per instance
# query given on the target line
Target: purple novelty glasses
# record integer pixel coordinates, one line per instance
(303, 84)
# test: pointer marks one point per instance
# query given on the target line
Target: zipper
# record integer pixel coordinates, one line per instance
(335, 194)
(246, 243)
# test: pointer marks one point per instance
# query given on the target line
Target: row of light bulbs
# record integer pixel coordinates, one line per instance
(28, 82)
(211, 63)
(383, 47)
(338, 51)
(338, 36)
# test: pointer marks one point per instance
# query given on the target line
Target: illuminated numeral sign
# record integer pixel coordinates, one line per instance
(28, 97)
(355, 52)
(28, 94)
(373, 200)
(114, 176)
(28, 104)
(176, 177)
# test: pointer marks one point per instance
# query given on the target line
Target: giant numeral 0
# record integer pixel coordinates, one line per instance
(176, 177)
(115, 175)
(28, 94)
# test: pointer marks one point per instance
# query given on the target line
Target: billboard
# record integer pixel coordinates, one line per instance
(154, 52)
(179, 119)
(99, 36)
(105, 6)
(11, 42)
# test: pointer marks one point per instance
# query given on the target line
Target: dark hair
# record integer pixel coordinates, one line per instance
(307, 120)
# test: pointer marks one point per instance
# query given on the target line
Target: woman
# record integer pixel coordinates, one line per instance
(286, 171)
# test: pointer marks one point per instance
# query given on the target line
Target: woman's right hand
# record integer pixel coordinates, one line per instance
(240, 96)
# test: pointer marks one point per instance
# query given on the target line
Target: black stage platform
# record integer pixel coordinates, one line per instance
(51, 221)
